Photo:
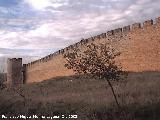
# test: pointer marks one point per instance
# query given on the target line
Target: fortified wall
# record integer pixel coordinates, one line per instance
(139, 45)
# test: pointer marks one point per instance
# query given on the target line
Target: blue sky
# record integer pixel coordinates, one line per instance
(35, 28)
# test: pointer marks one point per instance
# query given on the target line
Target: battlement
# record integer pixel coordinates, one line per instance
(103, 35)
(136, 26)
(126, 28)
(109, 34)
(14, 59)
(148, 23)
(158, 21)
(117, 31)
(97, 37)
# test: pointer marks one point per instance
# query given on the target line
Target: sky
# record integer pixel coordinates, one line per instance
(34, 28)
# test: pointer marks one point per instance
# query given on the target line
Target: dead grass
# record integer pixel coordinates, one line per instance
(139, 96)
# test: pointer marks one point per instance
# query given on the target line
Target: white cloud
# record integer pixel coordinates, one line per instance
(39, 4)
(43, 4)
(44, 30)
(143, 1)
(1, 55)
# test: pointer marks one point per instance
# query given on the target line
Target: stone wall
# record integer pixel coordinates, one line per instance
(138, 43)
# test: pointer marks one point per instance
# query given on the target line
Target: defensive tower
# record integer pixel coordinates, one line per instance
(14, 71)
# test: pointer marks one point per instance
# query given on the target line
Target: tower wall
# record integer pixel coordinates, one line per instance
(14, 71)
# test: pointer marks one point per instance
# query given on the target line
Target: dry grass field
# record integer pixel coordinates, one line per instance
(90, 99)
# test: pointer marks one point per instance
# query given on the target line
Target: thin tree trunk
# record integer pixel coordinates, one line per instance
(114, 95)
(116, 100)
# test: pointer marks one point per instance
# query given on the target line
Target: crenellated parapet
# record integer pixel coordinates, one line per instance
(14, 59)
(110, 33)
(158, 21)
(97, 37)
(117, 31)
(126, 28)
(148, 23)
(136, 26)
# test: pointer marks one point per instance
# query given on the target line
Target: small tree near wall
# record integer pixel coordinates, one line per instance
(97, 61)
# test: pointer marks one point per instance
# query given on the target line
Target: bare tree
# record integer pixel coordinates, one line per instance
(97, 61)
